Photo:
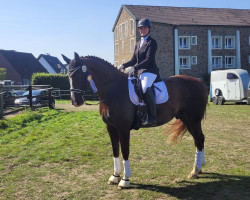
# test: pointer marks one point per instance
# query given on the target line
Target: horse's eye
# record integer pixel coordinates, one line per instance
(84, 68)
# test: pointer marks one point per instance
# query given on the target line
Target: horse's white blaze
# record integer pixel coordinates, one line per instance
(127, 170)
(117, 166)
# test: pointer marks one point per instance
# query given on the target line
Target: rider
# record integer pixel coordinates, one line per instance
(143, 60)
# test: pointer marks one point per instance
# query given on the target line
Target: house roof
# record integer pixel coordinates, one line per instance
(54, 62)
(24, 63)
(188, 15)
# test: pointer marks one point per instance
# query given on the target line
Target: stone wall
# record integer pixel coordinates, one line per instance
(165, 56)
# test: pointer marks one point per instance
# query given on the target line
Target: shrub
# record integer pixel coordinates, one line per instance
(54, 80)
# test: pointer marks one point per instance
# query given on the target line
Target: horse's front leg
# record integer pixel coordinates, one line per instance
(124, 140)
(113, 133)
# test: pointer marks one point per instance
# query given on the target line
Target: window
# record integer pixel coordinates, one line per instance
(194, 40)
(184, 42)
(116, 49)
(217, 42)
(120, 31)
(116, 33)
(230, 61)
(123, 30)
(229, 42)
(126, 29)
(132, 44)
(194, 60)
(217, 62)
(232, 76)
(132, 29)
(122, 45)
(184, 62)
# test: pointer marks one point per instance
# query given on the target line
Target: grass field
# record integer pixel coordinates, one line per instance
(53, 154)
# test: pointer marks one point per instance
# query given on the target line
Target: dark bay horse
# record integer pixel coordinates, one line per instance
(187, 103)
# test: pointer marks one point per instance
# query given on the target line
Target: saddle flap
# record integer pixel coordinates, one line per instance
(160, 89)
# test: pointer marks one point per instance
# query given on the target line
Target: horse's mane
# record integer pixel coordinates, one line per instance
(97, 62)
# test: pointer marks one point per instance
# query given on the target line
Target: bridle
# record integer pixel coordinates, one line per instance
(71, 73)
(79, 91)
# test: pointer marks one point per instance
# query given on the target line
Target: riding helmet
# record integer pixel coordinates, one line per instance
(144, 22)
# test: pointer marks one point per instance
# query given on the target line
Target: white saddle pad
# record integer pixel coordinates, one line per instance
(161, 96)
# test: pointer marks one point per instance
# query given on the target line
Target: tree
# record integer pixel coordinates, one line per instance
(2, 74)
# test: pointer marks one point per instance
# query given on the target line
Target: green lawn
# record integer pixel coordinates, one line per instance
(52, 154)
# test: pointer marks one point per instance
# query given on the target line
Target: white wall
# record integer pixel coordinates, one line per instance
(46, 65)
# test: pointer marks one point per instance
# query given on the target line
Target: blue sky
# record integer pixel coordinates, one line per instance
(68, 26)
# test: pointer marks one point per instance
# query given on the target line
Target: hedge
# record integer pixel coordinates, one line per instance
(60, 81)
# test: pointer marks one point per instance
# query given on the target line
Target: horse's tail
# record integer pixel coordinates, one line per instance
(177, 130)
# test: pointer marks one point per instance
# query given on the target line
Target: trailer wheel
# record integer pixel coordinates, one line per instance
(217, 92)
(221, 100)
(215, 100)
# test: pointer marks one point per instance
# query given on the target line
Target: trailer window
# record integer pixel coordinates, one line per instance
(232, 76)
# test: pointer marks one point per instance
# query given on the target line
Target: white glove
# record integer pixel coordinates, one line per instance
(120, 67)
(129, 70)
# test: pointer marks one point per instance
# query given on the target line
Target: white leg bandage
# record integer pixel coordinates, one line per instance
(203, 162)
(127, 170)
(117, 166)
(198, 159)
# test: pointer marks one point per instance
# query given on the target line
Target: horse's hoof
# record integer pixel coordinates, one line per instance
(114, 180)
(124, 183)
(193, 176)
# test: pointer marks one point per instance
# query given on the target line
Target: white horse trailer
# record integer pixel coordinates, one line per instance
(229, 85)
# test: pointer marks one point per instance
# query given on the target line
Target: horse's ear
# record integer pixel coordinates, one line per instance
(67, 60)
(77, 57)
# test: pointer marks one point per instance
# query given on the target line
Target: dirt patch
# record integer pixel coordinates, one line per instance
(60, 106)
(69, 107)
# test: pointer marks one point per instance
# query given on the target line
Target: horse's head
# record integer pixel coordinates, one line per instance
(76, 79)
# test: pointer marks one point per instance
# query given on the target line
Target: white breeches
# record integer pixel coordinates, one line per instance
(147, 79)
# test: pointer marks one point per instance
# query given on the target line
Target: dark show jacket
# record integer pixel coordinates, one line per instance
(144, 57)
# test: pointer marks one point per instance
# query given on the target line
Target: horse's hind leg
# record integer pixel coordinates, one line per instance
(199, 139)
(115, 178)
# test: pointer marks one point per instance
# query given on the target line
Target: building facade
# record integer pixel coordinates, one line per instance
(191, 41)
(20, 66)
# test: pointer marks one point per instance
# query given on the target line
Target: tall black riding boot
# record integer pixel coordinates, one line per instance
(150, 100)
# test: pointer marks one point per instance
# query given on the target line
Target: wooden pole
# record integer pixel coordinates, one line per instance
(1, 101)
(30, 96)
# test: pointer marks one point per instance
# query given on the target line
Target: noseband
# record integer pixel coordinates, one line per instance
(71, 73)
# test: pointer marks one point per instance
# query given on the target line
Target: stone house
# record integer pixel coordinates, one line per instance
(191, 41)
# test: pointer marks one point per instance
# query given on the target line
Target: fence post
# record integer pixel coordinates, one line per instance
(30, 96)
(1, 101)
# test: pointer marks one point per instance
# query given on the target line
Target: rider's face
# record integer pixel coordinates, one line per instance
(144, 30)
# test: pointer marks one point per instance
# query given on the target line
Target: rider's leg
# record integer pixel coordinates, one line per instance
(147, 79)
